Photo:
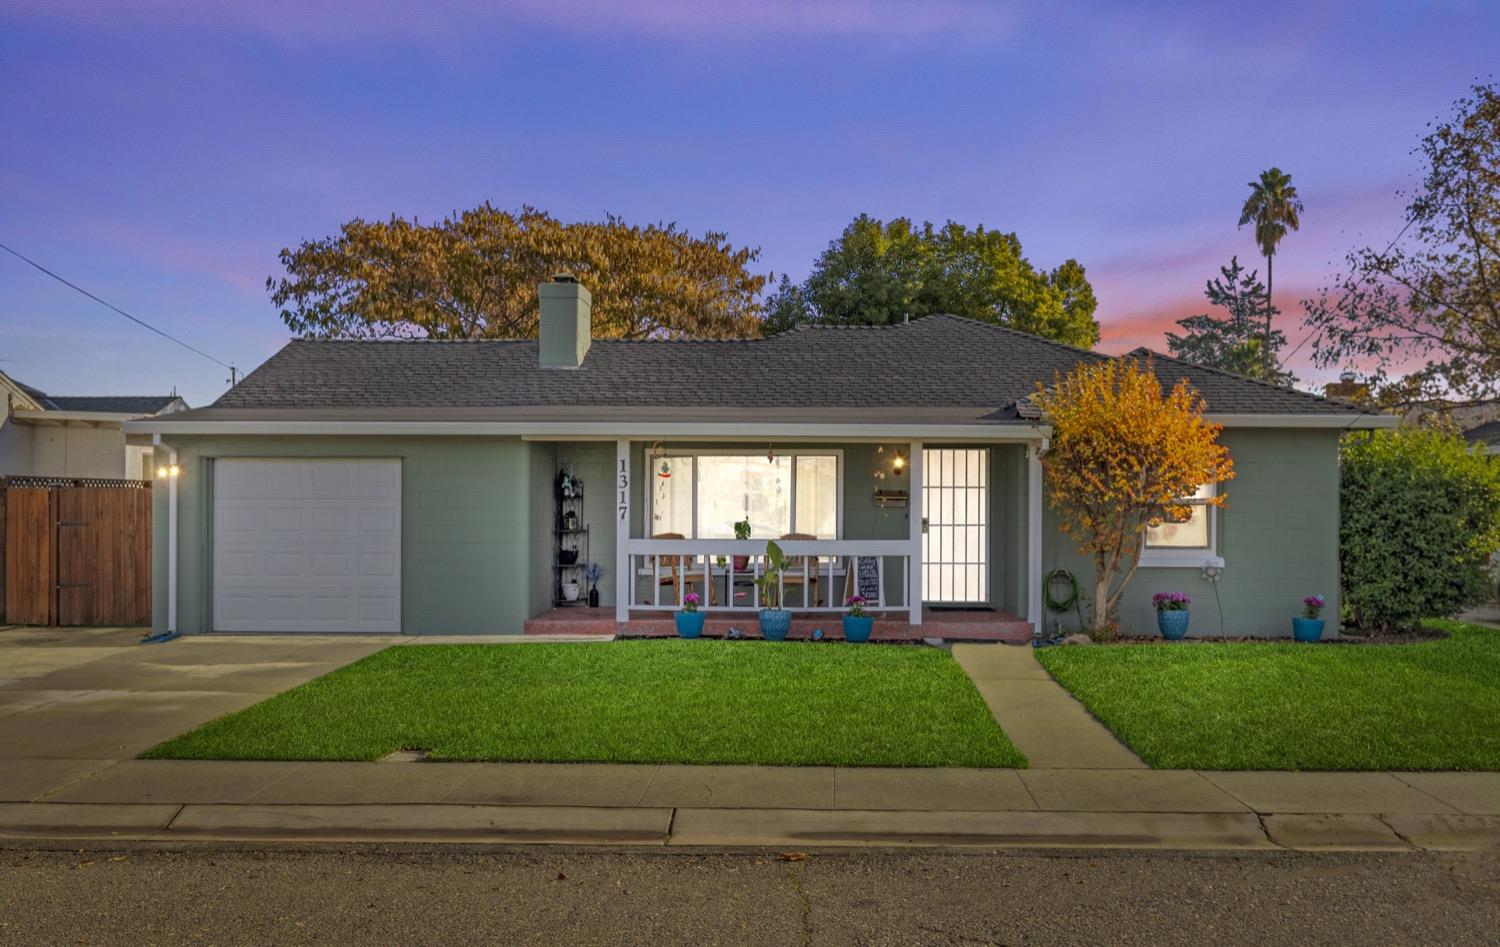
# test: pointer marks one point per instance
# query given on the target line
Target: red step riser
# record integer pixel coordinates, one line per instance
(802, 628)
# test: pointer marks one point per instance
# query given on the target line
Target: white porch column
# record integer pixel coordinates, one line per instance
(1034, 536)
(914, 559)
(624, 586)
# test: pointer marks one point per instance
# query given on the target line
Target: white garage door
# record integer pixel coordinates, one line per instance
(307, 545)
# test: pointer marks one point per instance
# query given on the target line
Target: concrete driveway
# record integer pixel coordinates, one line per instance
(76, 700)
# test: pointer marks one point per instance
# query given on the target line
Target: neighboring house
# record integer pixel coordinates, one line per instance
(411, 486)
(44, 435)
(1348, 387)
(1486, 434)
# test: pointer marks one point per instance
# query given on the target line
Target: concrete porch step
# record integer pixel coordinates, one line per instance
(944, 625)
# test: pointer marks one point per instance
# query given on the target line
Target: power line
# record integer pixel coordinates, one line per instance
(139, 322)
(1357, 283)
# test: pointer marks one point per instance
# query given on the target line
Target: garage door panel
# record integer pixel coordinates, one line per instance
(379, 608)
(377, 566)
(379, 521)
(379, 481)
(310, 546)
(285, 565)
(330, 480)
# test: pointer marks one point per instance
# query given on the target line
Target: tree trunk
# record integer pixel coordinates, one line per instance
(1101, 603)
(1270, 308)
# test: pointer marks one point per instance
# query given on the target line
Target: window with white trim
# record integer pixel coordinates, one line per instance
(703, 494)
(1186, 542)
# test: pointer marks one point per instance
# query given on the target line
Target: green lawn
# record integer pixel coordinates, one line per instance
(666, 701)
(1433, 705)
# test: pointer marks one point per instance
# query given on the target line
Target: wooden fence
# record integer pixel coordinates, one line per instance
(76, 552)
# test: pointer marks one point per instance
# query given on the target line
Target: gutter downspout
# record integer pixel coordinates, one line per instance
(171, 629)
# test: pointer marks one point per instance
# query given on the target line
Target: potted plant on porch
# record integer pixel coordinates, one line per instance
(775, 621)
(742, 533)
(858, 622)
(594, 573)
(1171, 614)
(1309, 627)
(689, 620)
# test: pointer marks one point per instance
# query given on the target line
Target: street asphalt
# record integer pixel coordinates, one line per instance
(132, 894)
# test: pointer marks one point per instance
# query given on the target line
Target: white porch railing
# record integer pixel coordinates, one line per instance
(724, 573)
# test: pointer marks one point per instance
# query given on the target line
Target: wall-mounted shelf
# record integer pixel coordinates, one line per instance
(885, 499)
(569, 533)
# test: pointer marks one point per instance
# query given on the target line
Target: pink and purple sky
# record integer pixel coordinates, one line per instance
(160, 152)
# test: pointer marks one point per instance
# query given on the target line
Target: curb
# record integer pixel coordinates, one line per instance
(741, 828)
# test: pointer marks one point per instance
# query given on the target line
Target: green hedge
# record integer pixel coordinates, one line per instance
(1420, 516)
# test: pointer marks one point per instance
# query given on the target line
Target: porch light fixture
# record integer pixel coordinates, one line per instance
(166, 472)
(899, 464)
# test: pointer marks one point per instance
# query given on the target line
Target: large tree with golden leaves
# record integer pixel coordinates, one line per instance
(1124, 456)
(473, 275)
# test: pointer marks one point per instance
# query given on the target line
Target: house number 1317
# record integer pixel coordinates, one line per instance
(623, 482)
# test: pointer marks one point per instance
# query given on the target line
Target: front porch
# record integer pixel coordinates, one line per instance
(944, 534)
(949, 625)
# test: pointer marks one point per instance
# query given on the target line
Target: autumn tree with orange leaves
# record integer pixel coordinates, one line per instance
(1123, 457)
(473, 275)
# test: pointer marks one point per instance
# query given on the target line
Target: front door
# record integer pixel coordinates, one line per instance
(956, 520)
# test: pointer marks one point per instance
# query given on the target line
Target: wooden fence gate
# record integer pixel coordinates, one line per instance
(76, 552)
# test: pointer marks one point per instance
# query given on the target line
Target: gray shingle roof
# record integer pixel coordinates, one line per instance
(1484, 433)
(108, 404)
(1243, 395)
(116, 404)
(939, 361)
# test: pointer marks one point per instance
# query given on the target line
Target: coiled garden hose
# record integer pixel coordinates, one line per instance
(1070, 601)
(1053, 603)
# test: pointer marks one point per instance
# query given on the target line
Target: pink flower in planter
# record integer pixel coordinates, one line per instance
(856, 606)
(691, 601)
(1312, 605)
(1170, 601)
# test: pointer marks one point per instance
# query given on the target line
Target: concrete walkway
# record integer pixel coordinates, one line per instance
(1045, 722)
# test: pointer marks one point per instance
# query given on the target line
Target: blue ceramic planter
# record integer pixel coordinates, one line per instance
(775, 623)
(1173, 625)
(689, 624)
(858, 629)
(1307, 629)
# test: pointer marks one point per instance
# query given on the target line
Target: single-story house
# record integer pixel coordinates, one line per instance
(463, 487)
(1487, 434)
(76, 436)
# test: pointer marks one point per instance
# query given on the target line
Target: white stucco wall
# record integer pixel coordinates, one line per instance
(77, 452)
(15, 445)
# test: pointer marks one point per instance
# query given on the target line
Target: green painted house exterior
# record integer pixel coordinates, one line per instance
(476, 521)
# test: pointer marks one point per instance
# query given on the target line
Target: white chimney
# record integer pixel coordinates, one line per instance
(566, 321)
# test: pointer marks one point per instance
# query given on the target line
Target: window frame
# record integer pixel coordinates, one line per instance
(836, 453)
(1189, 557)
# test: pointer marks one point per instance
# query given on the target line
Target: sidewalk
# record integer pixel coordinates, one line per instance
(751, 806)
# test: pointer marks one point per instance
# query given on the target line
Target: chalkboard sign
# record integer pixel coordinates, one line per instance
(867, 579)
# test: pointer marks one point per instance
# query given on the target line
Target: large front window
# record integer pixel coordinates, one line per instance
(702, 495)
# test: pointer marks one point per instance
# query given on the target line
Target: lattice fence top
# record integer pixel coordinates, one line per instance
(44, 482)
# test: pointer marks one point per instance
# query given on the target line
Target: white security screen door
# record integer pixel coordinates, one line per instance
(956, 541)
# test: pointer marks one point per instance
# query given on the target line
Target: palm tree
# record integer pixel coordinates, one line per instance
(1273, 206)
